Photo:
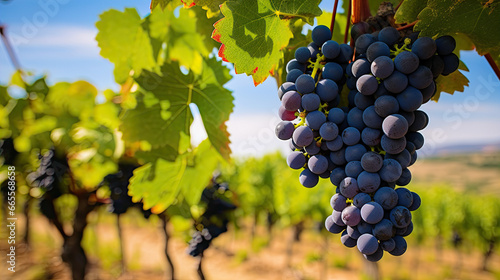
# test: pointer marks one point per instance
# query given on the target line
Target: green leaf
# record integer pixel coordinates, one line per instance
(409, 10)
(456, 81)
(253, 33)
(472, 18)
(165, 3)
(164, 123)
(184, 42)
(76, 98)
(125, 43)
(158, 185)
(212, 6)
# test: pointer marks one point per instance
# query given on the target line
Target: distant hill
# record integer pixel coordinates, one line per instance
(460, 149)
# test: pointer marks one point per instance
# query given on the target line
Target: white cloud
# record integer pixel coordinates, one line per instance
(253, 135)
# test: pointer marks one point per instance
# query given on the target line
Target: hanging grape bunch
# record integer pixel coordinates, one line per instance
(366, 146)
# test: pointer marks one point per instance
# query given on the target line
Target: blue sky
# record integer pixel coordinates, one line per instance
(56, 37)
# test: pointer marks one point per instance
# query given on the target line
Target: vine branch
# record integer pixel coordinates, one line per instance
(493, 65)
(334, 13)
(349, 12)
(10, 50)
(407, 26)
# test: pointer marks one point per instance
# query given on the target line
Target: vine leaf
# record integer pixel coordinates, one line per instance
(409, 10)
(253, 33)
(164, 4)
(159, 184)
(164, 119)
(212, 6)
(124, 42)
(456, 81)
(472, 18)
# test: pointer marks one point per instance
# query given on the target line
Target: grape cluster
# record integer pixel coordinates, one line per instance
(366, 146)
(118, 185)
(214, 220)
(49, 177)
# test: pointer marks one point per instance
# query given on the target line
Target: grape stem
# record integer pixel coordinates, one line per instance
(334, 13)
(317, 65)
(403, 47)
(406, 26)
(493, 65)
(399, 5)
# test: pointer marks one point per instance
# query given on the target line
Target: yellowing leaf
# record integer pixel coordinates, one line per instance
(456, 81)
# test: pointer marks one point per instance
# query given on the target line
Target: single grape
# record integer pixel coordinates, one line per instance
(351, 136)
(349, 187)
(406, 62)
(302, 136)
(367, 84)
(400, 216)
(335, 145)
(391, 170)
(363, 42)
(355, 152)
(395, 126)
(353, 169)
(321, 34)
(371, 137)
(384, 230)
(393, 146)
(285, 87)
(410, 99)
(389, 35)
(396, 82)
(375, 257)
(359, 29)
(424, 47)
(372, 213)
(336, 115)
(286, 115)
(337, 217)
(421, 121)
(317, 164)
(314, 50)
(360, 67)
(295, 65)
(351, 216)
(371, 118)
(386, 105)
(332, 227)
(372, 162)
(421, 78)
(404, 158)
(293, 75)
(405, 178)
(362, 101)
(338, 202)
(428, 92)
(367, 244)
(353, 232)
(338, 157)
(338, 174)
(382, 67)
(361, 199)
(347, 240)
(332, 71)
(416, 202)
(445, 45)
(330, 49)
(313, 148)
(377, 49)
(305, 84)
(327, 90)
(405, 197)
(416, 138)
(315, 119)
(355, 119)
(302, 54)
(368, 182)
(329, 131)
(296, 160)
(310, 102)
(291, 101)
(451, 63)
(284, 130)
(388, 245)
(308, 179)
(386, 197)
